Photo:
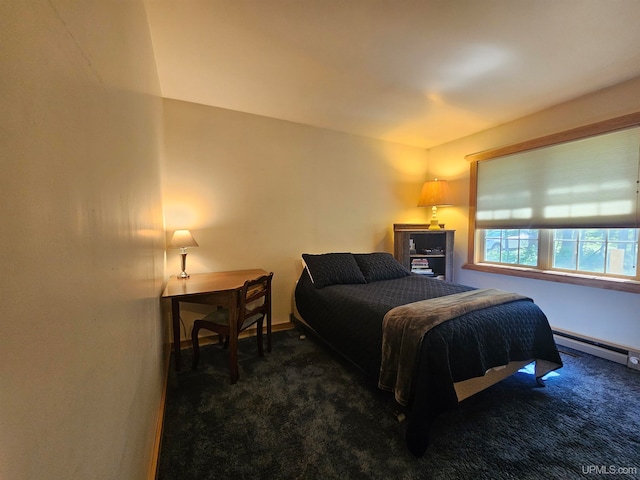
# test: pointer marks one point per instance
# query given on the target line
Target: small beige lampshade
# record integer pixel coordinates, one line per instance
(182, 239)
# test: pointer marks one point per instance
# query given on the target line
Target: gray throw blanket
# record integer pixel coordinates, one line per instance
(404, 327)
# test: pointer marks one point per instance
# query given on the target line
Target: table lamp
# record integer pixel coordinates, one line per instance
(434, 194)
(182, 239)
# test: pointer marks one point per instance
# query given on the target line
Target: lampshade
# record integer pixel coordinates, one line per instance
(182, 239)
(435, 193)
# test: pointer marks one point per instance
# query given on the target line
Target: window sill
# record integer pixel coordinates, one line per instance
(608, 283)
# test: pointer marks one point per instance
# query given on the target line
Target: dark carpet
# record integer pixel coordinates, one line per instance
(303, 413)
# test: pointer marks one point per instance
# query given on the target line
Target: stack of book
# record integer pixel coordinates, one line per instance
(421, 267)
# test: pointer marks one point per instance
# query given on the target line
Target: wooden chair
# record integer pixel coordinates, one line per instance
(253, 307)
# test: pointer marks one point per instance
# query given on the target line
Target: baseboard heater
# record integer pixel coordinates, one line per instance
(615, 353)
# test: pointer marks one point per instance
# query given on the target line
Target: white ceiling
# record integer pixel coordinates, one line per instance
(419, 72)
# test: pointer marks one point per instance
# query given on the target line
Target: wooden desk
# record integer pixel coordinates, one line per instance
(218, 288)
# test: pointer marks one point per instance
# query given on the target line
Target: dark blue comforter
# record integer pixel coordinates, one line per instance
(349, 318)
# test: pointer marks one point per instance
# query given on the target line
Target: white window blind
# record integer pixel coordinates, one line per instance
(592, 182)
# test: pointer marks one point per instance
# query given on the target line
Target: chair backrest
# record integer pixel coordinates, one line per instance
(255, 298)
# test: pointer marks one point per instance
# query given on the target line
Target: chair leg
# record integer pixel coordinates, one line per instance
(233, 358)
(196, 346)
(259, 337)
(269, 333)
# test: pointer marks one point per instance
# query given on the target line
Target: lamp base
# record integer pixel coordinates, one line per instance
(434, 225)
(183, 262)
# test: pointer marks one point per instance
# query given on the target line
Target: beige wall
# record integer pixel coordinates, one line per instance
(607, 315)
(81, 247)
(258, 192)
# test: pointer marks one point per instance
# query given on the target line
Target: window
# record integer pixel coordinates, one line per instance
(598, 251)
(603, 251)
(562, 207)
(511, 246)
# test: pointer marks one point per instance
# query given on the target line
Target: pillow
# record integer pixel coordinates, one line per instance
(332, 269)
(380, 266)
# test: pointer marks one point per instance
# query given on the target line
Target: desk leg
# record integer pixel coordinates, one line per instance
(175, 318)
(233, 337)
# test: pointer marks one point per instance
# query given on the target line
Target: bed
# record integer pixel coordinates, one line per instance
(353, 303)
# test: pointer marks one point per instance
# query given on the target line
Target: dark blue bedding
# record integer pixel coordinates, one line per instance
(349, 318)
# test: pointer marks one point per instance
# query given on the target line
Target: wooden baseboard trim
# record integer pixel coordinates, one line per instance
(157, 444)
